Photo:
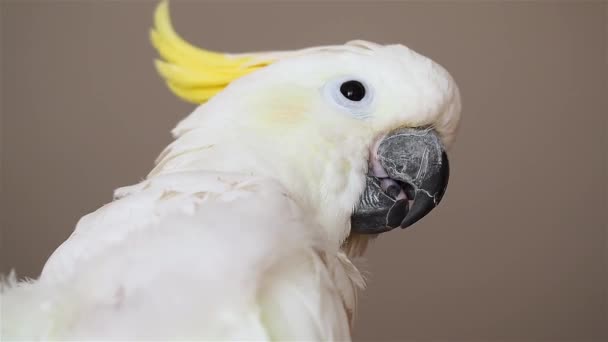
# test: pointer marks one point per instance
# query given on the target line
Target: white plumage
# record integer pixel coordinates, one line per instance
(161, 263)
(242, 229)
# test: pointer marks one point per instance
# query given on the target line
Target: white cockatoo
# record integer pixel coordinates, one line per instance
(246, 227)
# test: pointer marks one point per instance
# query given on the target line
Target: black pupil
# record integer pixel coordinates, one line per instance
(353, 90)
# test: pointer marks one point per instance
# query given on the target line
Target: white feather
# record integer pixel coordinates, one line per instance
(237, 232)
(196, 255)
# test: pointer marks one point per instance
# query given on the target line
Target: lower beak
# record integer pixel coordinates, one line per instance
(415, 162)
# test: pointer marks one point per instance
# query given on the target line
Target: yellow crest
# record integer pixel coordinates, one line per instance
(192, 73)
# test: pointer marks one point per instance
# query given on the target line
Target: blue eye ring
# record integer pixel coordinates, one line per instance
(351, 95)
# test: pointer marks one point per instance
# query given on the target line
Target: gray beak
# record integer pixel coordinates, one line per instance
(417, 172)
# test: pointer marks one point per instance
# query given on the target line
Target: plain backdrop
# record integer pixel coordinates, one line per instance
(517, 251)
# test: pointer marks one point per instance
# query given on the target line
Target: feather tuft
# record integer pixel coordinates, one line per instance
(192, 73)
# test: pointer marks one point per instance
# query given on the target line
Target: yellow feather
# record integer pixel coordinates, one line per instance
(194, 95)
(184, 77)
(192, 73)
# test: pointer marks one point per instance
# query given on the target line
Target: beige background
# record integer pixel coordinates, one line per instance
(518, 249)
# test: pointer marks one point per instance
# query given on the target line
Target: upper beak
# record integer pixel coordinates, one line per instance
(415, 177)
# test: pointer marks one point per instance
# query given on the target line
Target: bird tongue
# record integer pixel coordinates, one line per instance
(392, 188)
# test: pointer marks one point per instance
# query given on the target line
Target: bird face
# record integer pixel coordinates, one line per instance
(362, 126)
(356, 132)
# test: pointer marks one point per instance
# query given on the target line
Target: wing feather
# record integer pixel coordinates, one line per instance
(191, 255)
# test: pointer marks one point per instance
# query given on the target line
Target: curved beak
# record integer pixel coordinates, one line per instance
(413, 179)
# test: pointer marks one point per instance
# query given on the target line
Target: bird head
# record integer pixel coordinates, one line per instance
(356, 133)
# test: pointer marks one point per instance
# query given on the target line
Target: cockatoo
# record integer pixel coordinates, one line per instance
(247, 226)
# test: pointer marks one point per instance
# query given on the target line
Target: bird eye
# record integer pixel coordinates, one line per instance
(350, 95)
(353, 90)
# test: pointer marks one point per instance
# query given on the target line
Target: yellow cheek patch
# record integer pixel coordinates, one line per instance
(282, 107)
(192, 73)
(283, 117)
